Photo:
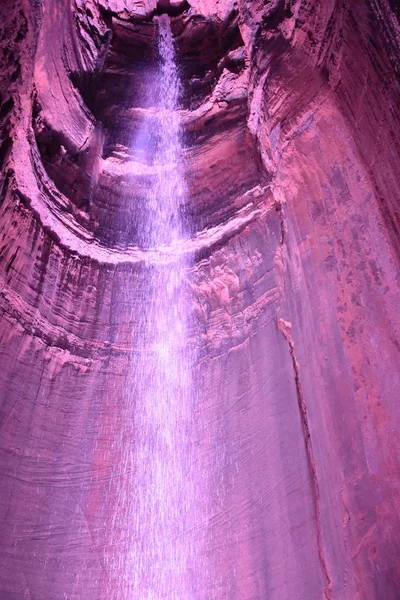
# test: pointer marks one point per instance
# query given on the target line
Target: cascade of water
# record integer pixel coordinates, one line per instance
(159, 504)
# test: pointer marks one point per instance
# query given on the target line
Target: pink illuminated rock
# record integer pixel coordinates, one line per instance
(290, 114)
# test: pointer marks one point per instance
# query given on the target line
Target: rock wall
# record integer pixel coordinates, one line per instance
(290, 112)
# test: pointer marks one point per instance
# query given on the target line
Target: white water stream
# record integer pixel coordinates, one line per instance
(158, 505)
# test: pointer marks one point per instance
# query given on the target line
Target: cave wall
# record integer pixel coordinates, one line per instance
(290, 116)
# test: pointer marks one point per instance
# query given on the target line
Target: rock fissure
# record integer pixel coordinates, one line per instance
(285, 327)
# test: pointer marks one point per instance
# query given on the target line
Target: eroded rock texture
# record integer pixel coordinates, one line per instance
(291, 119)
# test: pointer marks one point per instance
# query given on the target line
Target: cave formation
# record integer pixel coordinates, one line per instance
(290, 114)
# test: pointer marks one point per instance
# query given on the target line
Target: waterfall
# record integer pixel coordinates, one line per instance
(159, 504)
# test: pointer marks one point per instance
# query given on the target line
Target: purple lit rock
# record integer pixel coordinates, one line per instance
(290, 118)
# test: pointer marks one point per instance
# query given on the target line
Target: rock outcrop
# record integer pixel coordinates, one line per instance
(291, 113)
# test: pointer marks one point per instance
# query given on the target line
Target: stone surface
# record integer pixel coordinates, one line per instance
(291, 118)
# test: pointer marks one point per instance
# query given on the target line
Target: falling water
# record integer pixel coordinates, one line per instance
(159, 505)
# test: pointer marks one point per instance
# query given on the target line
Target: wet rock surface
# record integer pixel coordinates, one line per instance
(290, 113)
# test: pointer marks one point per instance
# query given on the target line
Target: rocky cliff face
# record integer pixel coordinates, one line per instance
(291, 115)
